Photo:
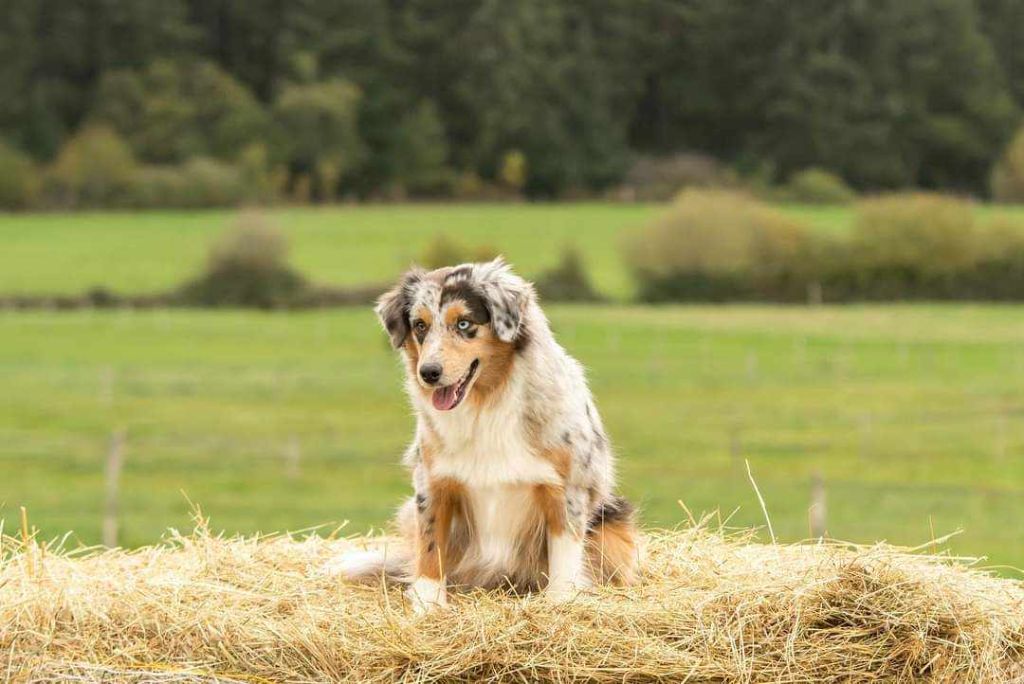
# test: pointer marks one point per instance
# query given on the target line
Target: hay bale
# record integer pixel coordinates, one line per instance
(710, 608)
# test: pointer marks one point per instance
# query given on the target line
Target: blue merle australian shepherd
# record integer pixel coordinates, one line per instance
(512, 469)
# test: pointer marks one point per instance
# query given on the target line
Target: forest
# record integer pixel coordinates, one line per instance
(140, 102)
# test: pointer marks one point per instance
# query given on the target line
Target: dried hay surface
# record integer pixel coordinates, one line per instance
(711, 608)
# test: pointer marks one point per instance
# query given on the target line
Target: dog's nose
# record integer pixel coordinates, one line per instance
(431, 372)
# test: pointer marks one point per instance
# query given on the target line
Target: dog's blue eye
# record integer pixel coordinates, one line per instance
(463, 325)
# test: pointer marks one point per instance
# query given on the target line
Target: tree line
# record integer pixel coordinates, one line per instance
(544, 97)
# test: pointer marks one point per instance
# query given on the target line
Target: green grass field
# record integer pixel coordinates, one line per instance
(913, 414)
(147, 252)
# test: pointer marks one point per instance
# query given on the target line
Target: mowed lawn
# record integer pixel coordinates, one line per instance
(914, 416)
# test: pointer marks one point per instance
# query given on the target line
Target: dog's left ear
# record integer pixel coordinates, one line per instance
(507, 297)
(393, 307)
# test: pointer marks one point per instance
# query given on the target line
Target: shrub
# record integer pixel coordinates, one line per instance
(914, 232)
(19, 179)
(720, 245)
(199, 182)
(513, 170)
(211, 183)
(920, 246)
(568, 281)
(1008, 174)
(443, 251)
(94, 168)
(661, 178)
(248, 267)
(817, 186)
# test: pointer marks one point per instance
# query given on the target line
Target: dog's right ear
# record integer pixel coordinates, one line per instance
(393, 307)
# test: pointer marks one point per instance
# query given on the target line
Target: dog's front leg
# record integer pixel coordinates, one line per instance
(434, 507)
(565, 515)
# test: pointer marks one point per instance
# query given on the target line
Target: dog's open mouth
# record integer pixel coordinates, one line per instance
(447, 398)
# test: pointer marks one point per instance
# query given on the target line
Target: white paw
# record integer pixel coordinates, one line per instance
(426, 595)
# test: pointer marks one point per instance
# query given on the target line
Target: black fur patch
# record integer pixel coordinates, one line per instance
(393, 307)
(616, 509)
(479, 312)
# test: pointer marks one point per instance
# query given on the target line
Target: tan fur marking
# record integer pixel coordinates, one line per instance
(613, 552)
(496, 361)
(454, 312)
(561, 459)
(551, 501)
(434, 526)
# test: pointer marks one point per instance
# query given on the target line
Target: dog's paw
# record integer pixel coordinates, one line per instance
(426, 595)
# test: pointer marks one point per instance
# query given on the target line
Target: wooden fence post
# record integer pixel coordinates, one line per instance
(817, 512)
(115, 461)
(292, 457)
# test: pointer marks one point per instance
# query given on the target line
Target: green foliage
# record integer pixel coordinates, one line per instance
(568, 281)
(817, 186)
(19, 179)
(1008, 173)
(95, 168)
(443, 251)
(317, 124)
(171, 111)
(713, 244)
(247, 267)
(513, 170)
(199, 182)
(914, 232)
(420, 152)
(660, 179)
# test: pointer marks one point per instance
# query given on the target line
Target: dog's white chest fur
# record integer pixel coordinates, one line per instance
(487, 452)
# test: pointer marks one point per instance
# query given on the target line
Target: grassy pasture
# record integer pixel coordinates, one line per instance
(913, 414)
(153, 251)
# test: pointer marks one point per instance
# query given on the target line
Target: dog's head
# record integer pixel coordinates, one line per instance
(460, 327)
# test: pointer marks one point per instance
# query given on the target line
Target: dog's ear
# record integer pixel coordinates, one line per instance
(393, 307)
(507, 296)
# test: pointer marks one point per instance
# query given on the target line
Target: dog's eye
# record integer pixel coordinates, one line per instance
(420, 326)
(463, 325)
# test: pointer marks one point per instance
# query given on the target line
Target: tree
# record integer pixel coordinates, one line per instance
(171, 111)
(317, 124)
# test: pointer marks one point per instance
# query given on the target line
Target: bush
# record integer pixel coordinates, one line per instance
(719, 245)
(817, 186)
(248, 267)
(1008, 174)
(19, 179)
(443, 251)
(95, 168)
(198, 183)
(661, 178)
(919, 246)
(568, 281)
(915, 232)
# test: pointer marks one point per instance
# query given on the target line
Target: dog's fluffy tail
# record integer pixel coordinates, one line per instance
(388, 562)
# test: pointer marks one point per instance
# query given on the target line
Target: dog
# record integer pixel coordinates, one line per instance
(512, 468)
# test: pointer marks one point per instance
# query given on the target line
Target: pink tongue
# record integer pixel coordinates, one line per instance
(444, 398)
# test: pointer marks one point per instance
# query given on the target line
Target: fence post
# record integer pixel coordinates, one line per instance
(115, 460)
(817, 512)
(107, 385)
(735, 445)
(292, 456)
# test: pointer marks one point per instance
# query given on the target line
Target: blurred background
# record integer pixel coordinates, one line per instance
(781, 233)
